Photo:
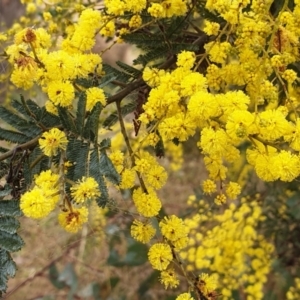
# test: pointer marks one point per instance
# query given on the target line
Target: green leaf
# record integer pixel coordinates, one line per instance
(66, 119)
(10, 242)
(6, 191)
(53, 277)
(80, 114)
(10, 208)
(92, 123)
(13, 136)
(9, 224)
(49, 120)
(35, 163)
(94, 171)
(116, 74)
(105, 144)
(8, 269)
(81, 161)
(31, 108)
(144, 40)
(27, 128)
(108, 169)
(34, 112)
(105, 80)
(113, 118)
(151, 55)
(135, 73)
(71, 153)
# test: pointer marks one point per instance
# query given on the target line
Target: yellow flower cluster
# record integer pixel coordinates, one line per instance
(294, 291)
(233, 250)
(55, 71)
(42, 199)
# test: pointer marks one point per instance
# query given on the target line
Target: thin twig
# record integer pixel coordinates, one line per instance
(44, 269)
(28, 145)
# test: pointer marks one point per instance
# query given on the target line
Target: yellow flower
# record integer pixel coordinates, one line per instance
(233, 189)
(220, 199)
(186, 59)
(53, 140)
(73, 220)
(209, 186)
(128, 179)
(135, 21)
(148, 205)
(142, 232)
(61, 93)
(173, 228)
(37, 203)
(185, 296)
(160, 256)
(206, 284)
(94, 95)
(87, 188)
(47, 179)
(169, 278)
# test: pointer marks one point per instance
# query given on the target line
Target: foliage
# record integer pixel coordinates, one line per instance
(222, 72)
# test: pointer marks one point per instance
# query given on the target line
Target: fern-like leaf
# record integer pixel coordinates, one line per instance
(81, 161)
(13, 136)
(92, 123)
(66, 119)
(112, 72)
(9, 224)
(27, 128)
(10, 208)
(108, 169)
(94, 171)
(135, 73)
(80, 114)
(8, 269)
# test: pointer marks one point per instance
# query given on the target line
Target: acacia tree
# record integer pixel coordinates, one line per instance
(225, 72)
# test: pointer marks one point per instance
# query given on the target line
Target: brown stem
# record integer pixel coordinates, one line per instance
(28, 145)
(126, 139)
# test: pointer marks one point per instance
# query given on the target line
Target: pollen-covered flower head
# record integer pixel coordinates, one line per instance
(38, 202)
(160, 256)
(53, 140)
(174, 229)
(186, 59)
(94, 95)
(142, 232)
(169, 278)
(206, 283)
(185, 296)
(61, 93)
(73, 220)
(87, 188)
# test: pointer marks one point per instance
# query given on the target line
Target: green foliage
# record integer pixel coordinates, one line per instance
(10, 241)
(115, 74)
(91, 126)
(67, 119)
(135, 73)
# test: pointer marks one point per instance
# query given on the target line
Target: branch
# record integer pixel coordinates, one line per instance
(45, 268)
(137, 83)
(28, 145)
